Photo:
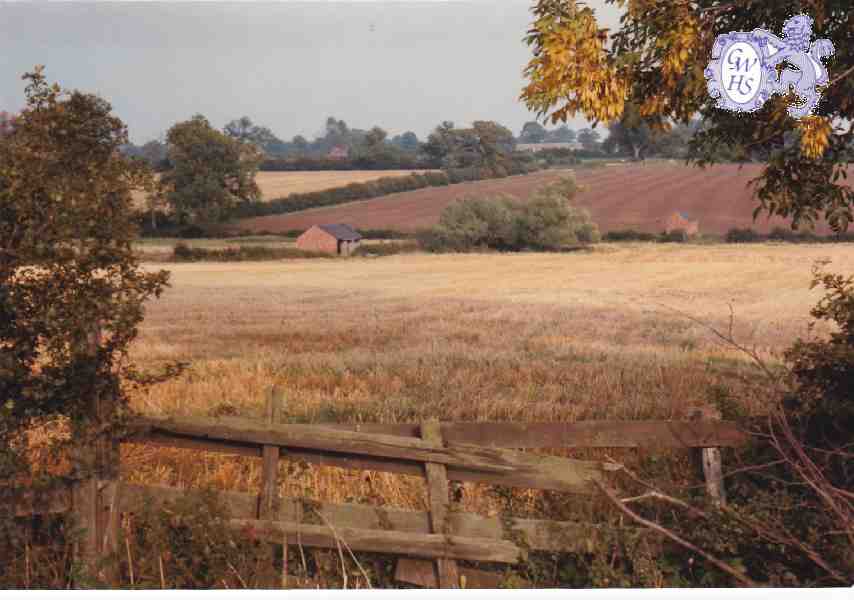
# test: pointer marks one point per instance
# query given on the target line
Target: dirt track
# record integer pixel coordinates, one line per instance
(637, 197)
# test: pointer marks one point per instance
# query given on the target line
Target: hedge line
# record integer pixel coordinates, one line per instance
(328, 164)
(371, 189)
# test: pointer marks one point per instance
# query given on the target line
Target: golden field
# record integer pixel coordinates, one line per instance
(536, 337)
(278, 184)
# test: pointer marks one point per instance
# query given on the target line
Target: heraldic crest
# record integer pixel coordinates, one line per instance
(742, 74)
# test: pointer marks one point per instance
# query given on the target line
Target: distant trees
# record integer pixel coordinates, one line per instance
(408, 142)
(244, 130)
(532, 133)
(589, 139)
(485, 144)
(211, 172)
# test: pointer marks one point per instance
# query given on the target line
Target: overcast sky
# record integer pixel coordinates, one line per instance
(287, 65)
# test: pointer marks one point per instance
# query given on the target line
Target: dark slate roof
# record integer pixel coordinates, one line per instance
(345, 233)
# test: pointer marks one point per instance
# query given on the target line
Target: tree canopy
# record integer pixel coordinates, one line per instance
(211, 172)
(656, 60)
(66, 261)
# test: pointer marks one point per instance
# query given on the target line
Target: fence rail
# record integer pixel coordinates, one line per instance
(429, 542)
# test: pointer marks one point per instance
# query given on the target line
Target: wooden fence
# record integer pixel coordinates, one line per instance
(428, 543)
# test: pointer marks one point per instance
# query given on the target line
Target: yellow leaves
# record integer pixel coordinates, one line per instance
(572, 72)
(815, 132)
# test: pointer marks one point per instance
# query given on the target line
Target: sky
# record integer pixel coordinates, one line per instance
(405, 65)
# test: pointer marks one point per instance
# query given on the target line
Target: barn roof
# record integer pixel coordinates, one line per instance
(342, 232)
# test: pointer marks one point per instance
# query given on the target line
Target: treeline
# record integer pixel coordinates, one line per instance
(735, 235)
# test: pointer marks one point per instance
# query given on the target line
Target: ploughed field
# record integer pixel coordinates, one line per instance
(603, 334)
(620, 197)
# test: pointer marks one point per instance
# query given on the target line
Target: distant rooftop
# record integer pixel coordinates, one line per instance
(342, 232)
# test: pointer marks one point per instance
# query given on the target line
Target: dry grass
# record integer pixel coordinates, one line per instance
(523, 337)
(463, 337)
(280, 184)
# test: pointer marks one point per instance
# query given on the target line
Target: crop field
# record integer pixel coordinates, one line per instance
(277, 184)
(603, 334)
(619, 197)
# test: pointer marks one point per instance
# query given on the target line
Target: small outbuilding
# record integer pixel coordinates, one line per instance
(679, 220)
(333, 239)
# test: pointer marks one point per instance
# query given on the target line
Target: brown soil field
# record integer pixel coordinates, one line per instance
(623, 197)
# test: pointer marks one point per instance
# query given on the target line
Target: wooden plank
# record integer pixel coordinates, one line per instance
(269, 497)
(384, 542)
(23, 502)
(583, 434)
(420, 572)
(555, 536)
(464, 462)
(711, 460)
(437, 497)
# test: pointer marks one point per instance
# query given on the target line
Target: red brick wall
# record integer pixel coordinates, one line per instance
(317, 240)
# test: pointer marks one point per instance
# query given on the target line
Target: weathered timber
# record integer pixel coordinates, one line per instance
(437, 495)
(384, 542)
(420, 572)
(23, 502)
(555, 536)
(269, 497)
(464, 462)
(711, 459)
(583, 434)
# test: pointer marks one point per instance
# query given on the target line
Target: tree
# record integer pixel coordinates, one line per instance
(657, 59)
(211, 172)
(245, 131)
(562, 134)
(300, 144)
(408, 142)
(532, 133)
(66, 263)
(589, 139)
(440, 143)
(630, 133)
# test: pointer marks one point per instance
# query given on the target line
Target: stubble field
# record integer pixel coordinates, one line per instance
(526, 337)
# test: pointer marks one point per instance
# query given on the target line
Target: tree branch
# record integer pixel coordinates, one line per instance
(669, 534)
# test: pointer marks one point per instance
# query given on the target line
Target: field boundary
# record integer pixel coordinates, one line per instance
(428, 543)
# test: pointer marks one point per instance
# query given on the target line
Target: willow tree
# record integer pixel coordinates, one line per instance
(656, 60)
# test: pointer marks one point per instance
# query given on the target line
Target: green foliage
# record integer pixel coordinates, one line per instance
(629, 235)
(189, 539)
(386, 249)
(741, 236)
(211, 172)
(184, 253)
(678, 236)
(546, 222)
(66, 263)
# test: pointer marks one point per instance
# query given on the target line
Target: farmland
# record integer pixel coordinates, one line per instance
(278, 184)
(621, 197)
(566, 337)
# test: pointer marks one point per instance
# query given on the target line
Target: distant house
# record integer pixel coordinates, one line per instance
(679, 220)
(548, 146)
(339, 153)
(333, 239)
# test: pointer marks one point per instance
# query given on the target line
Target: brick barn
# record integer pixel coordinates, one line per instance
(679, 220)
(334, 239)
